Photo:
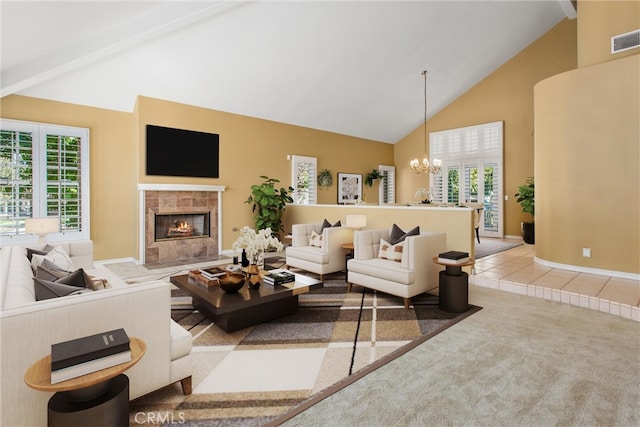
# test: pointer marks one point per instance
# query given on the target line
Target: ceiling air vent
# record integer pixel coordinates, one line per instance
(625, 41)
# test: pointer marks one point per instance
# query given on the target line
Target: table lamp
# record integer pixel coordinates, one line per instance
(41, 227)
(357, 221)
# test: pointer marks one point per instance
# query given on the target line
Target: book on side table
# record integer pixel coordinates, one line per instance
(81, 356)
(453, 257)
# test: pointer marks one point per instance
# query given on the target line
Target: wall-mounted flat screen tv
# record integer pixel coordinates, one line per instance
(179, 152)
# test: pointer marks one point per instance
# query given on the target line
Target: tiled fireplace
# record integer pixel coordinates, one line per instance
(179, 222)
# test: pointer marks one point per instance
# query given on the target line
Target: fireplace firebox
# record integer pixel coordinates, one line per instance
(181, 225)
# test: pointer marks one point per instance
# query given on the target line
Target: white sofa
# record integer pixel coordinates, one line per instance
(414, 274)
(29, 327)
(328, 258)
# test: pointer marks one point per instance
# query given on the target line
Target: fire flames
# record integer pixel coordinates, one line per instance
(180, 228)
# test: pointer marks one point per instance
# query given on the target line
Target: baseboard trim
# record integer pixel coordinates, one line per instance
(116, 260)
(579, 269)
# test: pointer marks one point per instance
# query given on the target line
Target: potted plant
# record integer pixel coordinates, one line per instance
(526, 198)
(372, 176)
(269, 203)
(325, 179)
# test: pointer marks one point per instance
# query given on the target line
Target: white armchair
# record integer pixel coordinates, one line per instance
(414, 274)
(323, 258)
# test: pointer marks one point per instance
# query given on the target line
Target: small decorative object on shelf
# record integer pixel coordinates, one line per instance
(372, 176)
(325, 179)
(425, 196)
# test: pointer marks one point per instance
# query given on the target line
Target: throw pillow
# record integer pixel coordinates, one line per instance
(50, 265)
(44, 251)
(49, 274)
(315, 240)
(57, 256)
(389, 251)
(78, 278)
(397, 235)
(46, 289)
(327, 224)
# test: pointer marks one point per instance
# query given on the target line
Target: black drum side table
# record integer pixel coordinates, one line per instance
(454, 286)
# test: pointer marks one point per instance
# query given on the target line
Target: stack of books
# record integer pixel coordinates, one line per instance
(278, 277)
(453, 257)
(82, 356)
(199, 279)
(212, 272)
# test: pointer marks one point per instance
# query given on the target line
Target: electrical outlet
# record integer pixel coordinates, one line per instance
(586, 252)
(506, 197)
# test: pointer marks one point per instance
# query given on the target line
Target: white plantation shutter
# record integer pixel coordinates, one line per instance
(472, 170)
(387, 188)
(304, 171)
(44, 172)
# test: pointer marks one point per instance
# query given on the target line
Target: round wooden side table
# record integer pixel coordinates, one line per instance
(453, 289)
(100, 398)
(349, 255)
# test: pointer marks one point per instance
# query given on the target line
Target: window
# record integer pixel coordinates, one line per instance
(44, 172)
(387, 187)
(303, 180)
(471, 170)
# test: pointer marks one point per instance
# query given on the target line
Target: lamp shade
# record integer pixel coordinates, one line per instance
(356, 221)
(41, 226)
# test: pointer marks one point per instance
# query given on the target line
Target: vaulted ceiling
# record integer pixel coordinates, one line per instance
(350, 67)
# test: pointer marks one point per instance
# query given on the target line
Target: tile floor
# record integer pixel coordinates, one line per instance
(516, 271)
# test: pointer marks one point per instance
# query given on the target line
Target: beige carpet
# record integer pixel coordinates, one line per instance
(520, 361)
(253, 376)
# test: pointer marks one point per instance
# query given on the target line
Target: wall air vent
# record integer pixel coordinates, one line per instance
(625, 41)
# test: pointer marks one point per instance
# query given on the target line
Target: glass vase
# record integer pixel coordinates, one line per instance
(257, 258)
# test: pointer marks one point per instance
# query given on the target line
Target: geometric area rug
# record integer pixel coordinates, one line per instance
(265, 374)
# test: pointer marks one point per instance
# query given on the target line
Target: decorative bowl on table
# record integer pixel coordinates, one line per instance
(231, 282)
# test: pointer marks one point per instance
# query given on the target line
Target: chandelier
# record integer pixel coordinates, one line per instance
(423, 166)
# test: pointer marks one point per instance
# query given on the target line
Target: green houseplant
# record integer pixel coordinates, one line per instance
(526, 197)
(325, 179)
(269, 203)
(372, 176)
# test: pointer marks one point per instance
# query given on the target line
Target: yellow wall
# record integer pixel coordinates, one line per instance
(249, 148)
(598, 21)
(252, 147)
(505, 95)
(587, 156)
(112, 167)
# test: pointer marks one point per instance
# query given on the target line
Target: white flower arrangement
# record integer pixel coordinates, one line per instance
(253, 242)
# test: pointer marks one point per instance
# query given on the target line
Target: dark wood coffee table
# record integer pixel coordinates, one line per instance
(247, 307)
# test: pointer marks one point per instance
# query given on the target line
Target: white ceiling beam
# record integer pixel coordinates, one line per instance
(167, 18)
(569, 8)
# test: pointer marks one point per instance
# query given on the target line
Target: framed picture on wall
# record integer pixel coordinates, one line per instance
(349, 187)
